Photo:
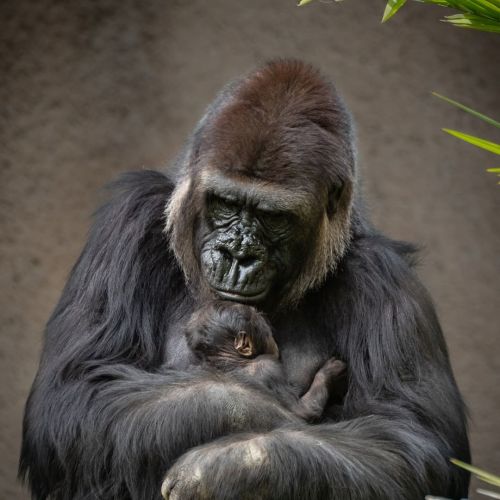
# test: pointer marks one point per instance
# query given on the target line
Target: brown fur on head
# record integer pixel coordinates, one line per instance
(282, 129)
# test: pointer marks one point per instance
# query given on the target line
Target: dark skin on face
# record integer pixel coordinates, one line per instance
(249, 241)
(235, 337)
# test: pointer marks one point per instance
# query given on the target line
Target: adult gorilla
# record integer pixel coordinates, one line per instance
(264, 209)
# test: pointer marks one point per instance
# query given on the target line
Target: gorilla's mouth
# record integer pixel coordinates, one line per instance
(242, 297)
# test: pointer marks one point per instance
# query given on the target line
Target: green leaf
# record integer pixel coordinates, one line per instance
(483, 8)
(493, 170)
(487, 8)
(487, 119)
(305, 2)
(472, 21)
(391, 8)
(486, 493)
(493, 147)
(480, 473)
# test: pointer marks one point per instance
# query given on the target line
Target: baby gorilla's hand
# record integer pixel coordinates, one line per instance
(312, 404)
(330, 371)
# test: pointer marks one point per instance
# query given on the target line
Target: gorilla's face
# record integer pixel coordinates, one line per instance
(249, 247)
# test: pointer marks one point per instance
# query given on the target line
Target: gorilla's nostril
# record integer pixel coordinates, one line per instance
(225, 254)
(247, 261)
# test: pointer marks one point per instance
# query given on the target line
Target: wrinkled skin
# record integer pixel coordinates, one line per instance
(248, 252)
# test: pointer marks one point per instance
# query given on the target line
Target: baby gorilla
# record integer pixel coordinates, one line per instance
(236, 338)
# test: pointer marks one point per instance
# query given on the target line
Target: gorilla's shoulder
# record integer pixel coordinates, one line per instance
(377, 244)
(128, 229)
(140, 184)
(377, 257)
(136, 199)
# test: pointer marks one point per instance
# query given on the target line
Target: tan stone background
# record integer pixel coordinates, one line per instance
(90, 89)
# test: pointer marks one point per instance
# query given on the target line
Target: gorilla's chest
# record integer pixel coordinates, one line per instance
(301, 359)
(303, 348)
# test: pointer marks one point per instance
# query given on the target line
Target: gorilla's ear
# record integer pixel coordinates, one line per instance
(334, 194)
(243, 344)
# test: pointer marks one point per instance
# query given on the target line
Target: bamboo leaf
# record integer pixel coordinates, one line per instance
(491, 494)
(482, 474)
(493, 170)
(489, 481)
(476, 141)
(443, 3)
(305, 2)
(487, 119)
(488, 8)
(472, 21)
(391, 8)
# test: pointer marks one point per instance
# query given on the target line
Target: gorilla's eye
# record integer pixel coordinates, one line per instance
(221, 208)
(276, 221)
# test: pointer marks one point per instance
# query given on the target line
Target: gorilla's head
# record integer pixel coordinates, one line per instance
(262, 208)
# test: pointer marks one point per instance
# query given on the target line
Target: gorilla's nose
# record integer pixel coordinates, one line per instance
(245, 257)
(246, 261)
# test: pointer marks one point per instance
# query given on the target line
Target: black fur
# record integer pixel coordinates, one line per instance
(105, 421)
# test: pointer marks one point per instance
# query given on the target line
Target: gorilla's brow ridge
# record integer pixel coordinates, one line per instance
(264, 195)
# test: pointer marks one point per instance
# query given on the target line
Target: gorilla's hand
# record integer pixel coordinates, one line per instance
(229, 468)
(340, 460)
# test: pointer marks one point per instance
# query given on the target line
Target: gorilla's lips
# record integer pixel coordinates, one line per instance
(239, 280)
(239, 297)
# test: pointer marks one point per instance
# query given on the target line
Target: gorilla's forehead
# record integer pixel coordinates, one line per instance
(260, 193)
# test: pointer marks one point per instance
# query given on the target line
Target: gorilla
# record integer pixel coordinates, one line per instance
(235, 338)
(262, 207)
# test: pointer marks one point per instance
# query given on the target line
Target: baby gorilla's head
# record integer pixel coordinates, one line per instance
(229, 330)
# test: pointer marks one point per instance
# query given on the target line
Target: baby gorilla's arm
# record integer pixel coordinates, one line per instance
(312, 404)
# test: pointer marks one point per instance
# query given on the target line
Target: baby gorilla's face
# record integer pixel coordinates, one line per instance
(230, 330)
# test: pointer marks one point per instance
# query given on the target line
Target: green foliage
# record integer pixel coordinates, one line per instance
(305, 2)
(481, 15)
(476, 141)
(391, 8)
(487, 493)
(485, 118)
(474, 22)
(492, 147)
(481, 474)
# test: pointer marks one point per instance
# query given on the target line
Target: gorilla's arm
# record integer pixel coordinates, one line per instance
(101, 421)
(114, 433)
(403, 416)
